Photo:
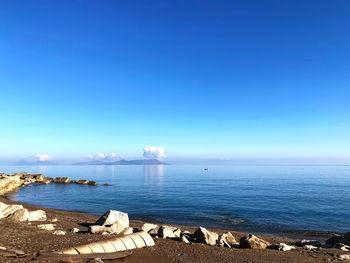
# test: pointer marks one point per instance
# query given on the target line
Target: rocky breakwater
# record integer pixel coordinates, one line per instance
(10, 182)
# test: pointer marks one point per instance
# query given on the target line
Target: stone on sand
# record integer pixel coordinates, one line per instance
(113, 216)
(227, 239)
(37, 215)
(252, 241)
(202, 235)
(147, 227)
(20, 215)
(48, 227)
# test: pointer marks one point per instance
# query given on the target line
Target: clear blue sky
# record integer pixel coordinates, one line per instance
(201, 78)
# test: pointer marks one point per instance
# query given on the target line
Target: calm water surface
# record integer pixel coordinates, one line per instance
(269, 199)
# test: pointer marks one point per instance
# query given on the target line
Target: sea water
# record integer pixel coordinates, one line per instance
(260, 199)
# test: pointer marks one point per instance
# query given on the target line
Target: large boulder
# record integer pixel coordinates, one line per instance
(227, 239)
(20, 215)
(344, 239)
(37, 215)
(252, 241)
(9, 210)
(111, 217)
(202, 235)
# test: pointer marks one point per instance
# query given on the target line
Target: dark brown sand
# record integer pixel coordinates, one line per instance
(27, 237)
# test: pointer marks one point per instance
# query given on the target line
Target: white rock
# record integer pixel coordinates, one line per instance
(1, 215)
(284, 247)
(54, 220)
(59, 233)
(166, 231)
(11, 209)
(310, 247)
(111, 217)
(97, 229)
(227, 238)
(202, 235)
(48, 227)
(20, 215)
(117, 227)
(74, 230)
(177, 232)
(147, 227)
(37, 215)
(344, 257)
(3, 206)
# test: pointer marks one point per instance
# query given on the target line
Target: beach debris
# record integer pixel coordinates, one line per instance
(282, 247)
(59, 233)
(251, 241)
(48, 227)
(132, 241)
(304, 242)
(228, 240)
(111, 217)
(62, 180)
(168, 232)
(344, 239)
(82, 181)
(74, 230)
(37, 215)
(20, 215)
(148, 227)
(202, 235)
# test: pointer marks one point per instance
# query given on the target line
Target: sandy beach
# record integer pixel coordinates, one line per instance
(27, 237)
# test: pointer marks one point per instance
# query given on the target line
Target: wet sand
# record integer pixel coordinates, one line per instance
(27, 237)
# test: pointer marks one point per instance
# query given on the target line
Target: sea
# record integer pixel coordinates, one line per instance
(260, 199)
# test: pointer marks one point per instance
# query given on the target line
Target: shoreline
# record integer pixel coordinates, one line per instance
(166, 250)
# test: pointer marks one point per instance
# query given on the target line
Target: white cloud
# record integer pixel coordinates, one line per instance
(154, 152)
(103, 156)
(43, 157)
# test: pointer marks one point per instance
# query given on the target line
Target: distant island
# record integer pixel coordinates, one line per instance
(123, 162)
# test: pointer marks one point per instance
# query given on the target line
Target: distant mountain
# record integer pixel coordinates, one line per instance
(123, 162)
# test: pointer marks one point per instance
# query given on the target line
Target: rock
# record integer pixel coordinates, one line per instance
(20, 215)
(97, 229)
(344, 257)
(184, 239)
(1, 215)
(46, 180)
(344, 239)
(202, 235)
(95, 260)
(11, 209)
(113, 216)
(93, 183)
(166, 231)
(118, 227)
(342, 247)
(48, 227)
(37, 215)
(105, 184)
(147, 227)
(2, 248)
(82, 181)
(38, 177)
(282, 247)
(128, 231)
(54, 220)
(3, 206)
(59, 233)
(304, 242)
(310, 247)
(74, 230)
(177, 232)
(252, 241)
(227, 239)
(62, 180)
